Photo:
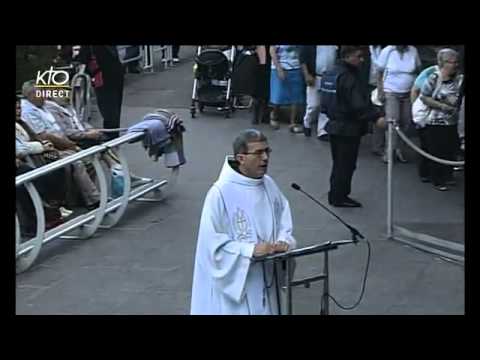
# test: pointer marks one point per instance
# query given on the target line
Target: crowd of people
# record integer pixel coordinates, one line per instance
(48, 129)
(245, 216)
(385, 81)
(348, 91)
(371, 83)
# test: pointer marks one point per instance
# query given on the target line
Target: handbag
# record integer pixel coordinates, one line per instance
(51, 156)
(45, 158)
(420, 110)
(118, 183)
(95, 71)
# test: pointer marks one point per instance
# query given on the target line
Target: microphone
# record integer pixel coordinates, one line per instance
(354, 231)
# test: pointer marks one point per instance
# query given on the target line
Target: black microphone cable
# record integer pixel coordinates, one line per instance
(346, 307)
(364, 282)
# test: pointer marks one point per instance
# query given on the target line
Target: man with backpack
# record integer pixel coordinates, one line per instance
(315, 60)
(346, 101)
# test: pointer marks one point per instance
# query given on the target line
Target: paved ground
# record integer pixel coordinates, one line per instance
(144, 265)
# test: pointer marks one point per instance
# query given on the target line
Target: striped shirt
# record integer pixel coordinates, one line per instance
(288, 56)
(448, 93)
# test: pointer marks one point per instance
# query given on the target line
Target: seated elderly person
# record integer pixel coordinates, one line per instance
(24, 163)
(33, 122)
(51, 187)
(84, 135)
(41, 121)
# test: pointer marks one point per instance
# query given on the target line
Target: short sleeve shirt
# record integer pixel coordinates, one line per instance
(448, 93)
(288, 56)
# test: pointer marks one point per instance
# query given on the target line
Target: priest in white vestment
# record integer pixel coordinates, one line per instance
(244, 215)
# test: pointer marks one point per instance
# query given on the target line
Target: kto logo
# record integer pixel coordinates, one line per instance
(52, 83)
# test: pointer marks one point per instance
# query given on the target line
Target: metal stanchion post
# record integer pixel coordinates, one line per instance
(148, 58)
(326, 289)
(289, 287)
(391, 124)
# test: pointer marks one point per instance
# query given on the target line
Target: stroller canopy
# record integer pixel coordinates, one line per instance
(212, 64)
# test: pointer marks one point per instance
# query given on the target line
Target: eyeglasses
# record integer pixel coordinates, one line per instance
(267, 151)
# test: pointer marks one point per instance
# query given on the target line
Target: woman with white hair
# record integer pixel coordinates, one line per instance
(441, 129)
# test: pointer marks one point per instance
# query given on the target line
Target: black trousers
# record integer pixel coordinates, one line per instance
(344, 156)
(51, 187)
(109, 100)
(175, 50)
(442, 142)
(423, 163)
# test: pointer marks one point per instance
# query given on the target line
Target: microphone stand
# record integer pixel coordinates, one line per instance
(355, 233)
(285, 259)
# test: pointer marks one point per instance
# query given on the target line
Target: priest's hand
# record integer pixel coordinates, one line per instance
(263, 249)
(281, 246)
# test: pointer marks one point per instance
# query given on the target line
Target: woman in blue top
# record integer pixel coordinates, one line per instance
(287, 85)
(423, 163)
(442, 92)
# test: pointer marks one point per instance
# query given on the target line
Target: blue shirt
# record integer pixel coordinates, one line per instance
(423, 76)
(39, 119)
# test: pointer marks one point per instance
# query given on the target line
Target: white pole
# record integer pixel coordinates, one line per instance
(391, 123)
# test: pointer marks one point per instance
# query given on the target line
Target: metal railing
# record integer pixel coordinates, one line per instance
(125, 60)
(167, 54)
(81, 88)
(147, 55)
(106, 215)
(393, 125)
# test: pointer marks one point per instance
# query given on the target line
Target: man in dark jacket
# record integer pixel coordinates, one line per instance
(109, 91)
(348, 124)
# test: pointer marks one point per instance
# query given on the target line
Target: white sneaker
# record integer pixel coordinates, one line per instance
(65, 212)
(176, 60)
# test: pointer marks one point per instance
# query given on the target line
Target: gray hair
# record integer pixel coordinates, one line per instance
(240, 144)
(445, 54)
(28, 87)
